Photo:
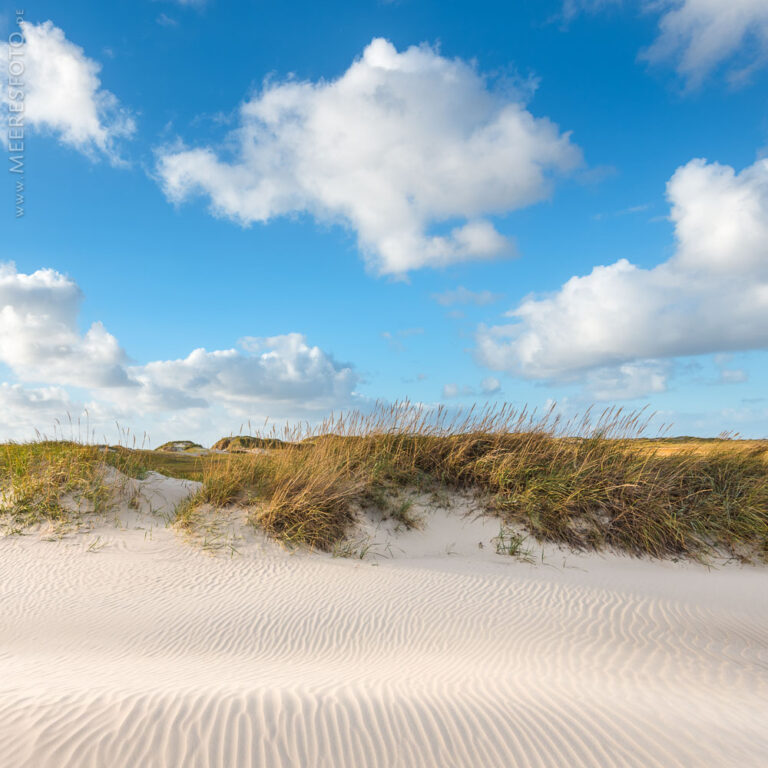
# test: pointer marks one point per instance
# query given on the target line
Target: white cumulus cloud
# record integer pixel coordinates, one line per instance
(266, 371)
(46, 353)
(412, 150)
(57, 88)
(39, 339)
(615, 327)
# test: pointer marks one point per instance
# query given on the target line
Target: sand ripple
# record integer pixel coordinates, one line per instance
(157, 655)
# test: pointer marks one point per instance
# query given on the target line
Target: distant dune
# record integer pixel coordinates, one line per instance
(244, 443)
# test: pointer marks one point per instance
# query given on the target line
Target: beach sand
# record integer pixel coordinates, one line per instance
(127, 646)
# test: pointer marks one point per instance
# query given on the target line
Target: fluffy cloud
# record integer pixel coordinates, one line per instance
(702, 34)
(269, 371)
(276, 376)
(616, 327)
(41, 345)
(411, 150)
(39, 339)
(61, 91)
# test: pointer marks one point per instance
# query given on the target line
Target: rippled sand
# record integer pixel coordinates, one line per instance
(149, 652)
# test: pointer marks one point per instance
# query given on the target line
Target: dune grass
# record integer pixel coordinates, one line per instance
(591, 483)
(58, 481)
(49, 481)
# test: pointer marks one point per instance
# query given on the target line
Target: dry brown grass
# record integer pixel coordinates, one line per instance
(588, 483)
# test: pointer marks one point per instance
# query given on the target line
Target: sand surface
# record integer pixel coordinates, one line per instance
(126, 646)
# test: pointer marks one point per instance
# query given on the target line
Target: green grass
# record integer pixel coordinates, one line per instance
(50, 481)
(137, 463)
(510, 542)
(59, 481)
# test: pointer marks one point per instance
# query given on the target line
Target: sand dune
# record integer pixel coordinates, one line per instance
(149, 652)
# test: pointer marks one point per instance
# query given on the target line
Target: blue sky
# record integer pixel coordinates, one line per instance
(356, 201)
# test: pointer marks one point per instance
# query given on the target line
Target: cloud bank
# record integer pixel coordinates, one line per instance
(58, 368)
(411, 150)
(57, 88)
(619, 327)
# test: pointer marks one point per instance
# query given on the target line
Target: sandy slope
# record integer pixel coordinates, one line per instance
(149, 652)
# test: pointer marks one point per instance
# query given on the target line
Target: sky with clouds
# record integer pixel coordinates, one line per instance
(240, 212)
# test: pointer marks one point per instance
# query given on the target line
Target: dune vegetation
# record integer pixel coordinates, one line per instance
(244, 443)
(591, 483)
(179, 446)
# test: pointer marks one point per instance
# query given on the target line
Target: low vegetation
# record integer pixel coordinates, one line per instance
(50, 481)
(180, 446)
(245, 443)
(589, 484)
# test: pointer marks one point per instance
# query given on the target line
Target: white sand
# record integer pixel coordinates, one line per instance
(145, 651)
